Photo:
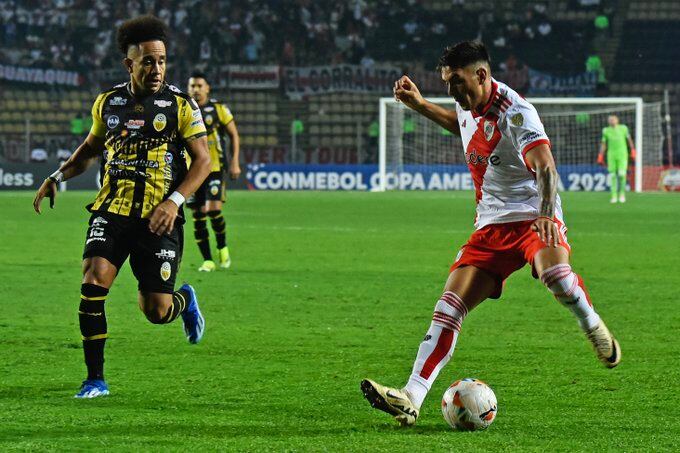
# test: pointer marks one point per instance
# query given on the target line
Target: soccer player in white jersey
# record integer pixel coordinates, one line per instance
(519, 219)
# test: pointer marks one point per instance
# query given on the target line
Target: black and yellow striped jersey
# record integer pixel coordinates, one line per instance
(216, 116)
(145, 139)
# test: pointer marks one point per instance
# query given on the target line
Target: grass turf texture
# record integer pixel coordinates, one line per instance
(328, 288)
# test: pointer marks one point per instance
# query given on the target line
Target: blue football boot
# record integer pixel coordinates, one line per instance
(194, 323)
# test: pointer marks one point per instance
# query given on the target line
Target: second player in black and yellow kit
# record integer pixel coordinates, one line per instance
(208, 199)
(144, 127)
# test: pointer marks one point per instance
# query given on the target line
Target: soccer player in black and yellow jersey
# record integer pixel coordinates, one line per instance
(208, 199)
(144, 126)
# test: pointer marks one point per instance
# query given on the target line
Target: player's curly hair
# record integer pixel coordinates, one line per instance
(141, 29)
(464, 53)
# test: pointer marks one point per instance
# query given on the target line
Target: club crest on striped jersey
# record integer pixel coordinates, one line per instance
(159, 122)
(489, 129)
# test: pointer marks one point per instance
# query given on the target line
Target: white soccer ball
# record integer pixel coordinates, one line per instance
(469, 404)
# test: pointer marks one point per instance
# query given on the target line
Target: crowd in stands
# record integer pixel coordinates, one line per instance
(80, 34)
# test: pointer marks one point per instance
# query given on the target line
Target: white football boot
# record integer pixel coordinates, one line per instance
(395, 402)
(606, 346)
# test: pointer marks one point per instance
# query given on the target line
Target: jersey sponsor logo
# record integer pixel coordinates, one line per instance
(517, 119)
(174, 88)
(196, 123)
(166, 271)
(489, 128)
(477, 159)
(128, 174)
(118, 101)
(134, 163)
(209, 108)
(134, 124)
(112, 122)
(159, 122)
(528, 138)
(166, 254)
(162, 103)
(208, 119)
(196, 114)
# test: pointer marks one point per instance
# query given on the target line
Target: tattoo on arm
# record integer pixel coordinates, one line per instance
(547, 189)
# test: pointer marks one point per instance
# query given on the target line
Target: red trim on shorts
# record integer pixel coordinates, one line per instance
(503, 248)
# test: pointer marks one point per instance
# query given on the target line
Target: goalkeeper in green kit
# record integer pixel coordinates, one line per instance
(616, 142)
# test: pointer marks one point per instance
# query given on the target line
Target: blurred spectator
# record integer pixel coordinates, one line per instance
(594, 64)
(80, 35)
(601, 22)
(515, 74)
(39, 153)
(78, 125)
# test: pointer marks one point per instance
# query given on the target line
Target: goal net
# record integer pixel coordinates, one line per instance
(416, 153)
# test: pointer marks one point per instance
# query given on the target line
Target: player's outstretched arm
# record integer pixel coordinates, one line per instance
(540, 159)
(83, 157)
(408, 93)
(234, 139)
(162, 218)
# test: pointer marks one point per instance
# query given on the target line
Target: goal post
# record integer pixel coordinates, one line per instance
(410, 143)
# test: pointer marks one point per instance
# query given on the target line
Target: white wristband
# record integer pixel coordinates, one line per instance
(56, 177)
(176, 198)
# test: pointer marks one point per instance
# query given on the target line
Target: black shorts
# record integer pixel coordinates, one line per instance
(212, 189)
(154, 259)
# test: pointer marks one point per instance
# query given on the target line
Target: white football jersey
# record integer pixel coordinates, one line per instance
(495, 144)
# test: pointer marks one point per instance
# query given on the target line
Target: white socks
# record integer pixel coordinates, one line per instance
(570, 291)
(436, 349)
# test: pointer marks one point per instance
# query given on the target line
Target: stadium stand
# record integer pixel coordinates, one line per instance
(59, 34)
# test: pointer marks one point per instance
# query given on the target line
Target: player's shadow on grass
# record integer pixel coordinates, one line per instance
(411, 430)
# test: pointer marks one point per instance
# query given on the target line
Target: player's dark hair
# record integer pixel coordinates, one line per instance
(141, 29)
(199, 75)
(463, 54)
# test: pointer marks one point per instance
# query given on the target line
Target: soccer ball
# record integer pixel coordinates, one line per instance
(469, 404)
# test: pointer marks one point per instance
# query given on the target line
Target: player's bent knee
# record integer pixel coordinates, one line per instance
(155, 315)
(98, 271)
(155, 307)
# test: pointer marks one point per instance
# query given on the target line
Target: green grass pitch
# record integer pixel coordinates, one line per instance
(328, 288)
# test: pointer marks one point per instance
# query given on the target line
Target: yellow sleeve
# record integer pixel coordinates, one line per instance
(98, 128)
(224, 114)
(190, 121)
